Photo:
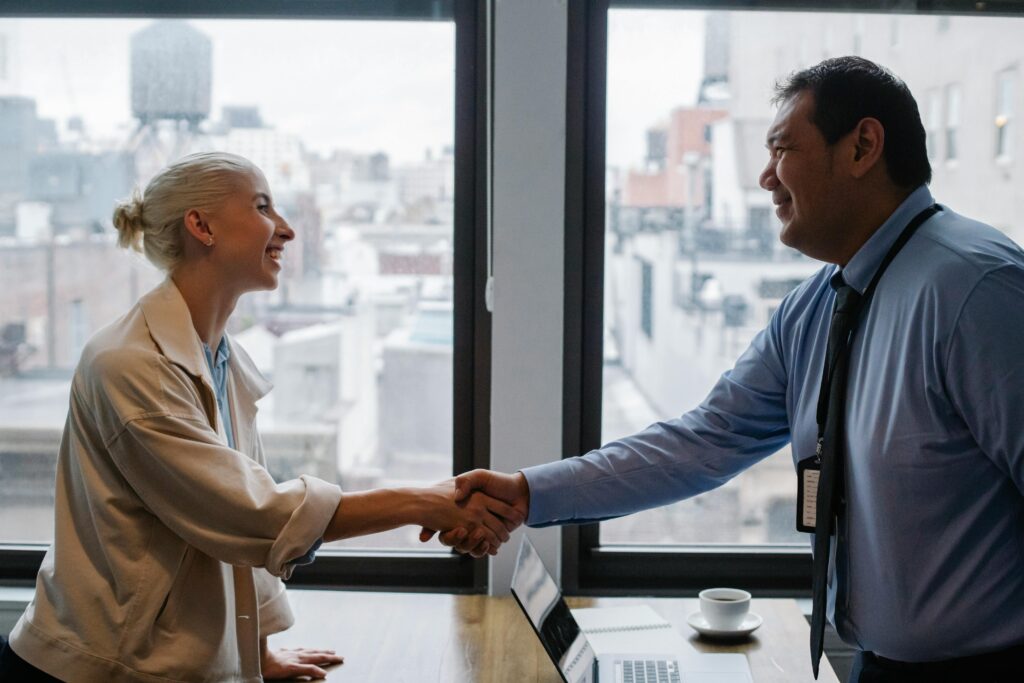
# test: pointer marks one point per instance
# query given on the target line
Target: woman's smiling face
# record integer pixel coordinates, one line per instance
(249, 235)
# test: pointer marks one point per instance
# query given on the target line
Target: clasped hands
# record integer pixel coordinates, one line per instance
(496, 504)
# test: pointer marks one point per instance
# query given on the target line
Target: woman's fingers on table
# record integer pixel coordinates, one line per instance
(287, 663)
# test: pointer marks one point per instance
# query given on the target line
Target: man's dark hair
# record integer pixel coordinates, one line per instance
(848, 89)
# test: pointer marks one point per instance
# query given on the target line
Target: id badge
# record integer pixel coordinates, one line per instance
(808, 471)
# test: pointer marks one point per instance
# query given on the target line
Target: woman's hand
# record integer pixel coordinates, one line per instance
(510, 488)
(486, 520)
(289, 663)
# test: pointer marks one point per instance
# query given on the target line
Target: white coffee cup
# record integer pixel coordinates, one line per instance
(724, 608)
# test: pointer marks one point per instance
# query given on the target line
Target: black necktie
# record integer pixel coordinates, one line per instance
(830, 482)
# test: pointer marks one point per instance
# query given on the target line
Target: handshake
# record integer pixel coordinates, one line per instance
(484, 509)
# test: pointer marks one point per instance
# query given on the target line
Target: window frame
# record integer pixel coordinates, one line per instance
(394, 570)
(588, 568)
(1004, 133)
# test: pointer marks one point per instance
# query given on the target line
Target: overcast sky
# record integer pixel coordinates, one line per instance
(655, 64)
(363, 86)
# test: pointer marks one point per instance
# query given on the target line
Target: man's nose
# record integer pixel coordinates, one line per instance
(768, 180)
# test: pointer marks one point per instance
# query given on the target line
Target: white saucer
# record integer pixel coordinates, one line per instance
(750, 623)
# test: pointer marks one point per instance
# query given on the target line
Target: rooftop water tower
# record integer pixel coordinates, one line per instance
(171, 73)
(171, 83)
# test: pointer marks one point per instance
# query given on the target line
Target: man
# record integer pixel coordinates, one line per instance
(928, 454)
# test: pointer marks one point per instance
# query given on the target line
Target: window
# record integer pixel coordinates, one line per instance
(933, 121)
(1004, 112)
(359, 338)
(952, 121)
(646, 299)
(858, 35)
(728, 256)
(78, 319)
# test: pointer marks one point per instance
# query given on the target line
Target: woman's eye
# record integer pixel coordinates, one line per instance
(263, 207)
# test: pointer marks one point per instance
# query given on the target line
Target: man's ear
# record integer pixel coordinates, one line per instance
(868, 139)
(197, 226)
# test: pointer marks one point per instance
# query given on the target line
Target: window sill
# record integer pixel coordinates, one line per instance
(13, 601)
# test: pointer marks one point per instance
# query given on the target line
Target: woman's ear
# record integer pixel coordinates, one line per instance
(198, 227)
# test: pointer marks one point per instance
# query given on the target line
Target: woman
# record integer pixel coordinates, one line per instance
(171, 538)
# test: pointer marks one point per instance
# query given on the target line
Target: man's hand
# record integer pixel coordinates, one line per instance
(289, 663)
(486, 521)
(510, 488)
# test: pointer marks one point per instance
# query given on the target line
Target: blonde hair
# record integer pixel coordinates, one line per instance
(153, 222)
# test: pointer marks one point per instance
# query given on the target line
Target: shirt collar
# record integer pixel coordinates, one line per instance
(223, 353)
(861, 268)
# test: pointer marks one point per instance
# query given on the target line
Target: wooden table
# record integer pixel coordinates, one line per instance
(421, 637)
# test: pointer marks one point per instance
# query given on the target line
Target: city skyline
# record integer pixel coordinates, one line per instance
(378, 105)
(404, 131)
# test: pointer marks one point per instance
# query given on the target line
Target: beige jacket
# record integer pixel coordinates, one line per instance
(167, 542)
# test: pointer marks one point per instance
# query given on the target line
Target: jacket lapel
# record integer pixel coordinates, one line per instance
(170, 326)
(246, 385)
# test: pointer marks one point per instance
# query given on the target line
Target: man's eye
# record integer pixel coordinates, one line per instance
(263, 207)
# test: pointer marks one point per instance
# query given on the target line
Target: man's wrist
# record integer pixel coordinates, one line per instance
(523, 489)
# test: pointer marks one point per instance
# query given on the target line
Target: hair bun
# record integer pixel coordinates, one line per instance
(128, 221)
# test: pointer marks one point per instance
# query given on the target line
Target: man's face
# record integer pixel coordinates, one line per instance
(802, 176)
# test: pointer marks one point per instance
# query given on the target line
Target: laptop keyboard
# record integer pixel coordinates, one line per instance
(650, 671)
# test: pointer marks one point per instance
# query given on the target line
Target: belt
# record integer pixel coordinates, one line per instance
(995, 663)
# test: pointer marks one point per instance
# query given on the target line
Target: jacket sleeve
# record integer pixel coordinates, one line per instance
(213, 497)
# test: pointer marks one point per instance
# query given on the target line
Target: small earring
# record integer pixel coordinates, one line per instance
(209, 242)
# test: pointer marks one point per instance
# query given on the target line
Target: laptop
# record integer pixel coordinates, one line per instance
(664, 658)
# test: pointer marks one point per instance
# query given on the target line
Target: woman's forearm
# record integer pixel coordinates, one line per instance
(368, 512)
(432, 507)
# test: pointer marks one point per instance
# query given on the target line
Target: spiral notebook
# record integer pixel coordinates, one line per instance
(633, 628)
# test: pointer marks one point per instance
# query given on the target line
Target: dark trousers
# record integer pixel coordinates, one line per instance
(1006, 666)
(14, 669)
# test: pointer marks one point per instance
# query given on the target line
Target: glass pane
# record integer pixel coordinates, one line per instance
(693, 265)
(1004, 112)
(353, 125)
(952, 121)
(933, 122)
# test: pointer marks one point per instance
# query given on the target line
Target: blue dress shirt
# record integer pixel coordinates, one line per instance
(930, 559)
(219, 369)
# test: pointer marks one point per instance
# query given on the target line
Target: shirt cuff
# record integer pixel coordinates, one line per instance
(309, 556)
(552, 496)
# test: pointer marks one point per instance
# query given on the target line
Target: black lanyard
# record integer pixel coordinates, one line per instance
(826, 375)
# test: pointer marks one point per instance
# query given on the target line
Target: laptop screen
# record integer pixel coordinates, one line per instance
(539, 597)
